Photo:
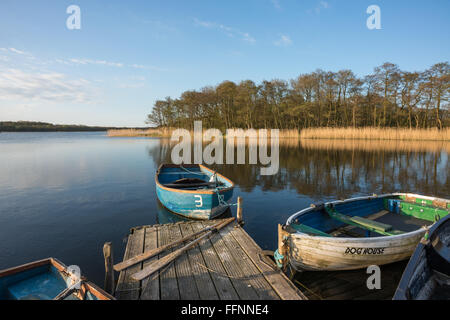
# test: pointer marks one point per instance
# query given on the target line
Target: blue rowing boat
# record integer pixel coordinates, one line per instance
(47, 279)
(193, 190)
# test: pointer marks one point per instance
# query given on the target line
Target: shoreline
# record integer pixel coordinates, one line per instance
(360, 134)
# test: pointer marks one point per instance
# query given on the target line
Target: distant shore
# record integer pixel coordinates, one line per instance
(368, 133)
(32, 126)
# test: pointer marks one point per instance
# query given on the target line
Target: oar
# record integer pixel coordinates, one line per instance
(147, 255)
(157, 265)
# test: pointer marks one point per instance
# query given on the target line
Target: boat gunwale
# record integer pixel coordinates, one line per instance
(34, 264)
(302, 235)
(210, 192)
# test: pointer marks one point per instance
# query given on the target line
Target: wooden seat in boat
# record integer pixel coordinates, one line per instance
(363, 223)
(372, 224)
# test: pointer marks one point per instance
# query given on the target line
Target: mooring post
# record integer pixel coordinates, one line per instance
(109, 271)
(239, 211)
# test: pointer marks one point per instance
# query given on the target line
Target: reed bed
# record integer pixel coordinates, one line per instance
(369, 133)
(151, 132)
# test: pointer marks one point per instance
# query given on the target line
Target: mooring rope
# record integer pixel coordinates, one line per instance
(188, 171)
(309, 290)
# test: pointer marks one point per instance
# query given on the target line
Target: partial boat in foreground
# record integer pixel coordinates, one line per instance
(427, 275)
(355, 233)
(47, 279)
(193, 190)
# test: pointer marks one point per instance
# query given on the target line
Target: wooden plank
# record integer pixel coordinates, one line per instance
(127, 288)
(168, 259)
(186, 281)
(203, 279)
(250, 271)
(150, 286)
(149, 253)
(348, 228)
(363, 223)
(279, 282)
(168, 277)
(242, 284)
(222, 283)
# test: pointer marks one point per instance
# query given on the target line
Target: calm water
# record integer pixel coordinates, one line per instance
(65, 194)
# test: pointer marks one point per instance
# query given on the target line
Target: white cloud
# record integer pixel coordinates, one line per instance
(50, 86)
(321, 5)
(276, 4)
(98, 62)
(283, 41)
(229, 31)
(75, 61)
(16, 51)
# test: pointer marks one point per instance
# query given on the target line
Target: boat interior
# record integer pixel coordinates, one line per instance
(189, 177)
(44, 281)
(370, 217)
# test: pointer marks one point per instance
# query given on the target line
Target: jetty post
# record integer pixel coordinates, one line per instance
(240, 219)
(109, 271)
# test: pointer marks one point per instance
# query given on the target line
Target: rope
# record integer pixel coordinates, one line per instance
(278, 256)
(309, 290)
(197, 173)
(220, 197)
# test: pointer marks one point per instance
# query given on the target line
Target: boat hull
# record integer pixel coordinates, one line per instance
(200, 203)
(330, 253)
(427, 275)
(194, 205)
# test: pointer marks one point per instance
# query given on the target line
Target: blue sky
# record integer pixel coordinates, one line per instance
(128, 54)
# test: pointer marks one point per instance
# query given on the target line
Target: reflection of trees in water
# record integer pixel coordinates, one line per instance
(339, 173)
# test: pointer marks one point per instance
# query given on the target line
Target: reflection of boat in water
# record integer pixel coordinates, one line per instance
(358, 232)
(46, 280)
(193, 191)
(427, 275)
(165, 216)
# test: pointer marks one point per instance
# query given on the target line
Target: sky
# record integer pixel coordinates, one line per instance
(128, 54)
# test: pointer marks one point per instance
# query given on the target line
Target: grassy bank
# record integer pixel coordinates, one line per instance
(367, 133)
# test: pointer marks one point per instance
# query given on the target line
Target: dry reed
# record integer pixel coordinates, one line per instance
(368, 133)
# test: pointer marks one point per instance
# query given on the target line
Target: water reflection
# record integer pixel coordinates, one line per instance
(339, 169)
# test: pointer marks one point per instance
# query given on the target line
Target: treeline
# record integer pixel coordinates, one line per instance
(25, 126)
(389, 97)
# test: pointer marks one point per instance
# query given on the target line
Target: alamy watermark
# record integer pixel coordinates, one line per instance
(73, 22)
(74, 278)
(235, 139)
(374, 20)
(374, 280)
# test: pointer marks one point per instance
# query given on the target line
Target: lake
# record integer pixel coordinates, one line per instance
(65, 194)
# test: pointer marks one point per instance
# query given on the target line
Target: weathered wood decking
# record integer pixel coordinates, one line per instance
(227, 265)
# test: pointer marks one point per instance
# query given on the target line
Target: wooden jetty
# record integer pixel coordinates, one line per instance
(227, 265)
